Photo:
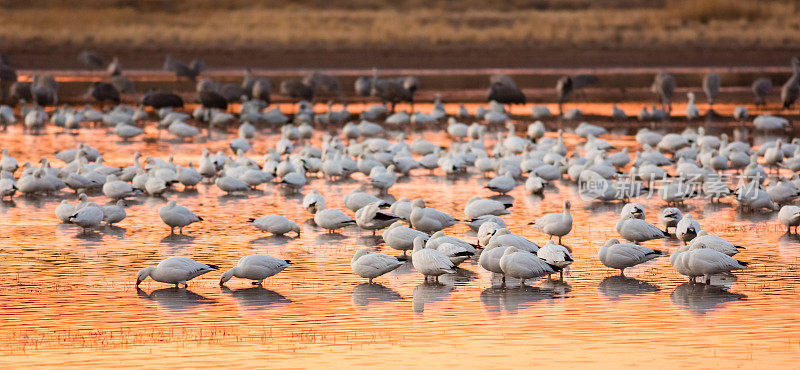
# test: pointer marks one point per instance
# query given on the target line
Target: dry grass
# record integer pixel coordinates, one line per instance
(732, 23)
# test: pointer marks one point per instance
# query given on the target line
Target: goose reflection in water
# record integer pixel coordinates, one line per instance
(619, 287)
(175, 299)
(429, 292)
(174, 240)
(256, 298)
(366, 294)
(273, 240)
(369, 240)
(331, 238)
(512, 299)
(701, 299)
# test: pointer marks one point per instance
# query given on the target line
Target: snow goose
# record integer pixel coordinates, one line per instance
(503, 236)
(458, 130)
(475, 224)
(692, 112)
(231, 184)
(670, 217)
(117, 189)
(789, 216)
(358, 199)
(87, 217)
(65, 210)
(768, 122)
(555, 224)
(555, 255)
(8, 185)
(311, 200)
(402, 238)
(8, 163)
(371, 265)
(704, 261)
(370, 217)
(275, 224)
(294, 181)
(114, 213)
(383, 178)
(536, 131)
(502, 184)
(429, 219)
(331, 219)
(753, 196)
(621, 256)
(687, 228)
(430, 262)
(177, 216)
(188, 176)
(638, 230)
(255, 267)
(714, 242)
(402, 208)
(438, 238)
(486, 231)
(478, 206)
(524, 265)
(154, 185)
(175, 270)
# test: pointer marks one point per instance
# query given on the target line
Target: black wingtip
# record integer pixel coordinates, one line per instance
(532, 223)
(288, 262)
(555, 268)
(507, 205)
(464, 254)
(739, 247)
(199, 218)
(251, 219)
(743, 263)
(215, 267)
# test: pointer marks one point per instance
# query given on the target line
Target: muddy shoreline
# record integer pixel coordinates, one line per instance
(40, 56)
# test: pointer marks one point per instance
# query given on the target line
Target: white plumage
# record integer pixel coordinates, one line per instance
(177, 216)
(275, 224)
(523, 265)
(430, 262)
(255, 267)
(621, 256)
(175, 270)
(371, 265)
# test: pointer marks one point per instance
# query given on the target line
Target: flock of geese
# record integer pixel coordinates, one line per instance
(680, 165)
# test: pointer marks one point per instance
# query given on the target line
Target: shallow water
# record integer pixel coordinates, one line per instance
(69, 298)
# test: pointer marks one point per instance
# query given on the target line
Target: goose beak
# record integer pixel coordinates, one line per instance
(138, 282)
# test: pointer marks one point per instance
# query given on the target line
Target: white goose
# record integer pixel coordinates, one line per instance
(275, 224)
(311, 200)
(370, 217)
(687, 228)
(670, 217)
(177, 216)
(117, 189)
(555, 224)
(358, 199)
(714, 242)
(556, 255)
(638, 230)
(478, 206)
(87, 217)
(255, 267)
(402, 238)
(175, 270)
(430, 262)
(621, 256)
(703, 261)
(114, 213)
(371, 265)
(331, 219)
(523, 265)
(65, 210)
(789, 216)
(504, 237)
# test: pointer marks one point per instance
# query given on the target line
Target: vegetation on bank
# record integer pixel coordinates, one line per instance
(197, 24)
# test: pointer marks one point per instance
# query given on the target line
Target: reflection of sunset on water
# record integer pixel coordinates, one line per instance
(72, 296)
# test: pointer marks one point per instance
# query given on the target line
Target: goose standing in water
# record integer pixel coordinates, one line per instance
(331, 219)
(700, 260)
(114, 213)
(621, 256)
(275, 224)
(555, 224)
(687, 228)
(637, 229)
(692, 112)
(670, 217)
(430, 262)
(175, 270)
(87, 217)
(370, 217)
(789, 216)
(524, 265)
(555, 255)
(177, 216)
(255, 267)
(371, 265)
(311, 200)
(402, 238)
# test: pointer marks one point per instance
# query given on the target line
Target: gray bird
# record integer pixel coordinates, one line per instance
(711, 84)
(664, 87)
(791, 88)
